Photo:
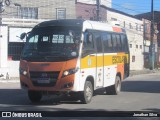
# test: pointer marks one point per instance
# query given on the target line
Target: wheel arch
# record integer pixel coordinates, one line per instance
(91, 79)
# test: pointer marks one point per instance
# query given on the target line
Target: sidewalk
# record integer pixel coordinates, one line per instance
(144, 71)
(132, 73)
(12, 80)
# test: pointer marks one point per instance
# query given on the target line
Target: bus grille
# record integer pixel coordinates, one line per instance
(44, 78)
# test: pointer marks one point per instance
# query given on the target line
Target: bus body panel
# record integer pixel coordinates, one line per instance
(43, 70)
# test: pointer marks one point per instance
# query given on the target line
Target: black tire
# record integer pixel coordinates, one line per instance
(87, 94)
(114, 89)
(34, 96)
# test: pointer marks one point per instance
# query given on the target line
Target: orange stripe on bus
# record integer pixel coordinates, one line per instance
(116, 29)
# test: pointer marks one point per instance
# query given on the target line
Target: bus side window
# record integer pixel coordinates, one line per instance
(110, 44)
(88, 41)
(107, 42)
(97, 38)
(88, 44)
(114, 41)
(124, 43)
(119, 45)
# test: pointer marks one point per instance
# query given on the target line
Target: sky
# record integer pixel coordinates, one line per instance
(134, 7)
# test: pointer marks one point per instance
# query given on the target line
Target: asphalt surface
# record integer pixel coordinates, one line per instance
(139, 93)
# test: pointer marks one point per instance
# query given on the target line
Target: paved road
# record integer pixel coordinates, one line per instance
(139, 93)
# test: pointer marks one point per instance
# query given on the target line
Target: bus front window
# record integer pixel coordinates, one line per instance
(51, 44)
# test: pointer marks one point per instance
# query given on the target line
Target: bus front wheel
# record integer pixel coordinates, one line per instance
(114, 89)
(34, 96)
(87, 94)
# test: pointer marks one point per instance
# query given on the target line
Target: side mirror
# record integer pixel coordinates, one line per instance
(71, 33)
(23, 35)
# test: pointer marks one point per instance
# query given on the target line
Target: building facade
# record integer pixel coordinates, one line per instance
(107, 3)
(20, 16)
(146, 17)
(38, 9)
(88, 12)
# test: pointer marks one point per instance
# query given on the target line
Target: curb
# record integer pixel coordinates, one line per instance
(133, 73)
(9, 81)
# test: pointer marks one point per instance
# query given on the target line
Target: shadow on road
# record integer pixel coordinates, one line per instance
(141, 86)
(20, 97)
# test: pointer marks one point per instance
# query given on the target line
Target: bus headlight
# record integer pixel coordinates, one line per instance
(22, 71)
(70, 71)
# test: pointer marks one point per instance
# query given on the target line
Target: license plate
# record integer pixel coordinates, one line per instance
(44, 81)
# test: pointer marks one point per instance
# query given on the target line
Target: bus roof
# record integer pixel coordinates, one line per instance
(79, 23)
(63, 22)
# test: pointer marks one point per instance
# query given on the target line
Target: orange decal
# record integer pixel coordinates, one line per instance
(117, 29)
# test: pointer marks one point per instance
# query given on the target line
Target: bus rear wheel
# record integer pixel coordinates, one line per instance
(114, 89)
(86, 95)
(34, 96)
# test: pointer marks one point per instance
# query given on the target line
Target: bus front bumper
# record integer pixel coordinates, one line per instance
(63, 84)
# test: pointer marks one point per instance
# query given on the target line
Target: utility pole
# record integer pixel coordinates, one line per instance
(152, 48)
(1, 10)
(98, 6)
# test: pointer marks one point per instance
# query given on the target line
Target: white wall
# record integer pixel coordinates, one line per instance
(9, 66)
(135, 37)
(13, 68)
(3, 46)
(6, 66)
(107, 3)
(3, 50)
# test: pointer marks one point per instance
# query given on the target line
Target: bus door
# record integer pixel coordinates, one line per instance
(99, 63)
(88, 61)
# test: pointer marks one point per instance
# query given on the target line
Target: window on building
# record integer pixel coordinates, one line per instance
(113, 19)
(14, 50)
(136, 26)
(130, 45)
(130, 26)
(124, 24)
(145, 26)
(79, 17)
(91, 18)
(140, 27)
(28, 13)
(61, 13)
(140, 46)
(136, 46)
(133, 58)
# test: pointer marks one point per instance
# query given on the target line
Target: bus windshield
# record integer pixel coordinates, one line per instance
(52, 44)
